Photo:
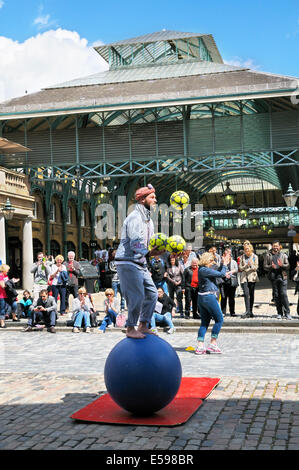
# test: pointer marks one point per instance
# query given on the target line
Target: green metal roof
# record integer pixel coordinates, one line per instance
(161, 46)
(153, 72)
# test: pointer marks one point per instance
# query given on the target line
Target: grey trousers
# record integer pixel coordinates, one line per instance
(139, 291)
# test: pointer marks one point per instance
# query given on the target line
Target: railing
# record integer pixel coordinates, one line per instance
(13, 182)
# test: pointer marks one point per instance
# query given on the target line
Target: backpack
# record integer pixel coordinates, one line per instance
(121, 320)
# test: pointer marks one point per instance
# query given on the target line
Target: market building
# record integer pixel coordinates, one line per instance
(167, 111)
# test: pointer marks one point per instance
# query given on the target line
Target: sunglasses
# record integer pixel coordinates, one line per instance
(108, 295)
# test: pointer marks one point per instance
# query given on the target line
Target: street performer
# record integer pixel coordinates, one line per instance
(136, 283)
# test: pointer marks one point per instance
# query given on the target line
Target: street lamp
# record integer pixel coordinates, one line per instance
(253, 220)
(291, 196)
(8, 210)
(243, 211)
(229, 196)
(264, 225)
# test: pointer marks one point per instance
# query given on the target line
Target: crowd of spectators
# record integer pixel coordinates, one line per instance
(175, 276)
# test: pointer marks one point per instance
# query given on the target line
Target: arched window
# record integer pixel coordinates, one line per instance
(69, 215)
(53, 215)
(85, 251)
(37, 247)
(70, 246)
(55, 248)
(83, 218)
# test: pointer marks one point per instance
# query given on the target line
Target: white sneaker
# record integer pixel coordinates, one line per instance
(76, 330)
(87, 330)
(171, 331)
(100, 331)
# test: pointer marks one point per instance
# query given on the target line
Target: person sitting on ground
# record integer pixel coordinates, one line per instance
(43, 309)
(24, 305)
(82, 308)
(163, 312)
(111, 309)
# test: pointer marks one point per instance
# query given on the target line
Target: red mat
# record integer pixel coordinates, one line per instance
(189, 398)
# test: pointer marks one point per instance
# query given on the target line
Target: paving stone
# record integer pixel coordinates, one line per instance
(234, 416)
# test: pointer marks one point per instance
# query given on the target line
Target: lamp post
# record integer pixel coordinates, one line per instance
(290, 198)
(243, 211)
(229, 196)
(8, 210)
(6, 213)
(264, 225)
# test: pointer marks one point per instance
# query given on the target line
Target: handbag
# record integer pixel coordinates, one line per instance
(121, 320)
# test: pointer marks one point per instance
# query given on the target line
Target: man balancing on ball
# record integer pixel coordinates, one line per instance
(135, 280)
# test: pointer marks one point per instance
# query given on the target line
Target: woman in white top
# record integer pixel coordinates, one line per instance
(81, 311)
(58, 278)
(111, 308)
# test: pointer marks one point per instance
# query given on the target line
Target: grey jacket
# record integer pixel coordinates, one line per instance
(280, 271)
(50, 304)
(136, 233)
(40, 275)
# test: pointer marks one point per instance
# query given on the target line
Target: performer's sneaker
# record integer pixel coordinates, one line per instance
(213, 349)
(200, 351)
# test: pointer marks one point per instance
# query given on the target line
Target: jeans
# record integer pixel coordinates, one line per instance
(166, 318)
(248, 289)
(2, 309)
(209, 309)
(61, 291)
(82, 315)
(48, 317)
(11, 307)
(139, 292)
(116, 288)
(109, 318)
(280, 296)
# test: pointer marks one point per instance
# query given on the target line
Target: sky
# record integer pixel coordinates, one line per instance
(46, 42)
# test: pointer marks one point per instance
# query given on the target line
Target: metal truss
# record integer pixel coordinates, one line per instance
(176, 165)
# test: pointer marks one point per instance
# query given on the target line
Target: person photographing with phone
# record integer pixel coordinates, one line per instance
(41, 272)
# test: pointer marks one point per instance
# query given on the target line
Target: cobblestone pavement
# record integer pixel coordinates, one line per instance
(45, 378)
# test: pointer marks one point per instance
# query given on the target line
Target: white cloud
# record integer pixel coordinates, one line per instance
(42, 20)
(239, 62)
(1, 3)
(46, 59)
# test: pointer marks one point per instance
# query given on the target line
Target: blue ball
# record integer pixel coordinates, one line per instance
(143, 375)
